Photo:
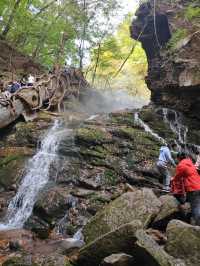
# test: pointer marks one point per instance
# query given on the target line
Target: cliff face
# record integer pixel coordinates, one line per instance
(170, 35)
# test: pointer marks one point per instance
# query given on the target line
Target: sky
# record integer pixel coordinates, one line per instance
(129, 5)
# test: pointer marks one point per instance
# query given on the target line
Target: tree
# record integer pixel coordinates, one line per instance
(34, 27)
(121, 62)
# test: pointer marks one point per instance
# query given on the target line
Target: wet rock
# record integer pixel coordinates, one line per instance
(120, 259)
(147, 252)
(37, 225)
(53, 203)
(184, 242)
(11, 169)
(140, 205)
(119, 240)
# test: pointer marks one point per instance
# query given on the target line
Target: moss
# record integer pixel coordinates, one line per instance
(178, 35)
(92, 136)
(71, 229)
(110, 177)
(97, 151)
(125, 118)
(192, 12)
(9, 168)
(68, 263)
(8, 159)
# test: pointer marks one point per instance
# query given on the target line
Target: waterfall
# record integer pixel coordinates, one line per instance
(147, 128)
(36, 177)
(176, 124)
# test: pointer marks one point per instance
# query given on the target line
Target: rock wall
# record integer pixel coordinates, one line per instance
(170, 35)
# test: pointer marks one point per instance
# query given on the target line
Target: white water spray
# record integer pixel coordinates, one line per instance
(37, 176)
(147, 128)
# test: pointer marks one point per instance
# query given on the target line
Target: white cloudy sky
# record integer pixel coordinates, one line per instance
(129, 5)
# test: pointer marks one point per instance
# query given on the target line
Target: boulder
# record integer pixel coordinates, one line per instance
(41, 228)
(168, 211)
(53, 203)
(140, 205)
(120, 259)
(147, 252)
(184, 242)
(120, 240)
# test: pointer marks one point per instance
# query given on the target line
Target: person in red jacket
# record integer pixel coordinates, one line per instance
(185, 185)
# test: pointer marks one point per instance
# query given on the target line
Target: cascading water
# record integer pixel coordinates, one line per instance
(147, 128)
(37, 176)
(174, 119)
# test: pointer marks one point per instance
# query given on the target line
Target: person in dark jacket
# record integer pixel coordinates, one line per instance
(186, 185)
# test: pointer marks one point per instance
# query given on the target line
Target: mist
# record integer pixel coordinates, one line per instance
(100, 102)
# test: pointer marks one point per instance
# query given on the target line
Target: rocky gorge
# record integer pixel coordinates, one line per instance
(101, 176)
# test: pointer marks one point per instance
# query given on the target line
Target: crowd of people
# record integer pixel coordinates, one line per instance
(185, 184)
(14, 86)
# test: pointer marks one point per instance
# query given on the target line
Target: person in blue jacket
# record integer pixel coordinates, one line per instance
(164, 160)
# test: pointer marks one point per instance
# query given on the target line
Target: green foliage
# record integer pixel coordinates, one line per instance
(110, 177)
(178, 35)
(113, 51)
(36, 27)
(192, 12)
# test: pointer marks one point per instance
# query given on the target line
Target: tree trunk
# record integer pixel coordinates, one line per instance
(81, 47)
(60, 52)
(97, 63)
(10, 20)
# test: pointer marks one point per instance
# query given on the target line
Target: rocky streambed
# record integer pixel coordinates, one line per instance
(104, 181)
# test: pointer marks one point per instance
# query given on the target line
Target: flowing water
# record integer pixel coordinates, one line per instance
(141, 123)
(36, 177)
(175, 121)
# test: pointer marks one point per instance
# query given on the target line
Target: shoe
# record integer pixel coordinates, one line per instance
(166, 190)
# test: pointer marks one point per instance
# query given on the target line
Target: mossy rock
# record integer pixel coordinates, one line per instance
(147, 252)
(140, 205)
(120, 240)
(110, 178)
(183, 241)
(26, 134)
(95, 151)
(122, 118)
(91, 136)
(10, 169)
